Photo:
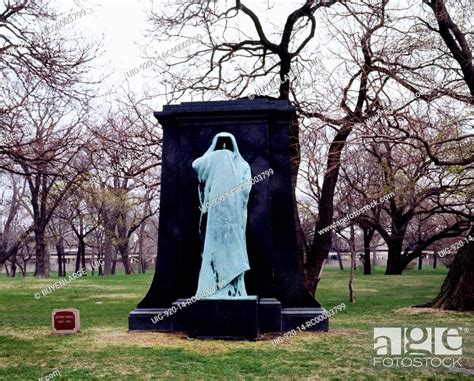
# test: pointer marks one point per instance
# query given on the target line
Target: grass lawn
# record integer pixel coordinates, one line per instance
(105, 350)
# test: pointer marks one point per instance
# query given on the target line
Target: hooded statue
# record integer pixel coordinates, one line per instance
(225, 182)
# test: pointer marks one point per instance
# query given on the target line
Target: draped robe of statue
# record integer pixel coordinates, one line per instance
(225, 183)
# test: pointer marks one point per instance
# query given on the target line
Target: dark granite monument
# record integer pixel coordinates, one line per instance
(261, 129)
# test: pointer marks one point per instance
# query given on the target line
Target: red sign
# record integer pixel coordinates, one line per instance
(64, 320)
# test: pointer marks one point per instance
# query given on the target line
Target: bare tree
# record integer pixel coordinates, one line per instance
(49, 154)
(29, 52)
(457, 291)
(13, 236)
(424, 194)
(127, 166)
(457, 41)
(40, 70)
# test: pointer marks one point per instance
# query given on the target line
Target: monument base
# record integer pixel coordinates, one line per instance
(143, 319)
(295, 317)
(232, 319)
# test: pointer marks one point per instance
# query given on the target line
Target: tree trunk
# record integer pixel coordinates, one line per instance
(100, 256)
(457, 291)
(114, 264)
(80, 257)
(60, 253)
(13, 266)
(321, 244)
(93, 263)
(368, 234)
(109, 228)
(352, 298)
(42, 260)
(420, 262)
(394, 263)
(83, 254)
(455, 40)
(141, 234)
(341, 266)
(123, 250)
(123, 241)
(435, 259)
(22, 269)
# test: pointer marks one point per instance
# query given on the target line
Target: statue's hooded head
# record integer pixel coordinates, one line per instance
(221, 141)
(224, 140)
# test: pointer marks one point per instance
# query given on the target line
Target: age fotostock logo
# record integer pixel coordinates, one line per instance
(418, 347)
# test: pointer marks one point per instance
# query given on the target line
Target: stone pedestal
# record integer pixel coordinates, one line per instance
(223, 319)
(141, 320)
(226, 319)
(269, 315)
(295, 317)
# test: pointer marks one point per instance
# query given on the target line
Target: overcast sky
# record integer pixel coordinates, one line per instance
(121, 25)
